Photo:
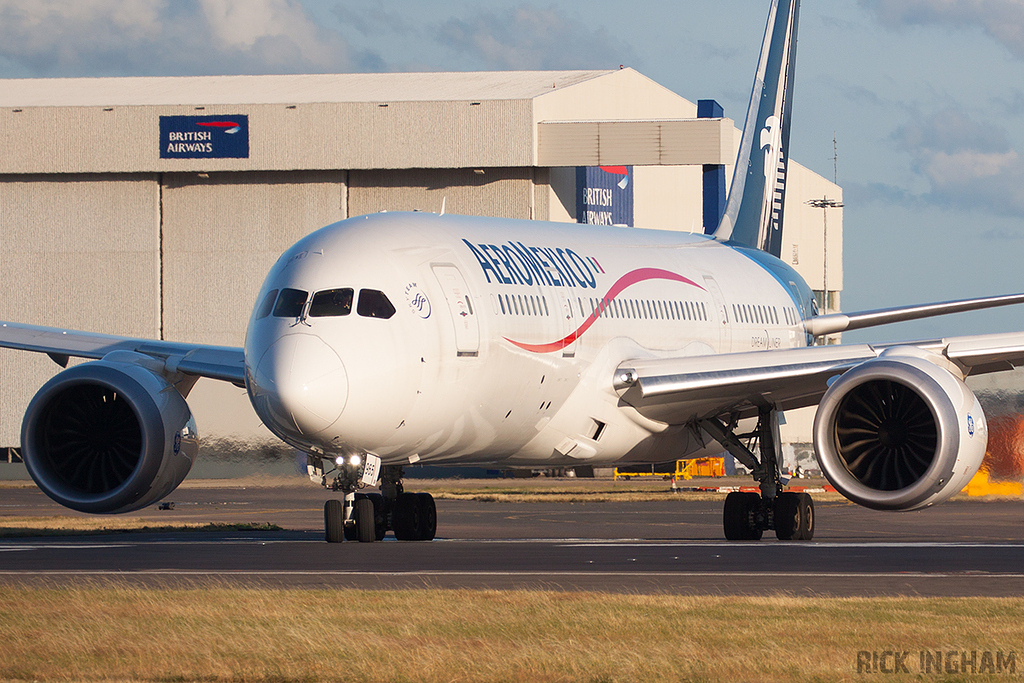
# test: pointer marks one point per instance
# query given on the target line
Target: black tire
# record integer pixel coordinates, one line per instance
(405, 518)
(379, 519)
(788, 517)
(334, 521)
(738, 516)
(366, 520)
(806, 517)
(742, 516)
(427, 516)
(754, 528)
(734, 516)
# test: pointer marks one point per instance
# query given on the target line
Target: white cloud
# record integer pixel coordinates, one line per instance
(1003, 20)
(527, 37)
(165, 37)
(966, 164)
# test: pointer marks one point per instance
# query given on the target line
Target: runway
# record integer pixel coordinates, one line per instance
(962, 548)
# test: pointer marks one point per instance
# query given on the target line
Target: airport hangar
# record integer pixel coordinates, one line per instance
(116, 219)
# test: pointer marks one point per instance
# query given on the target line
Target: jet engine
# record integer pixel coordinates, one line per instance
(108, 437)
(899, 432)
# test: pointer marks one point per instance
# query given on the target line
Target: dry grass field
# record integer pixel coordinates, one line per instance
(121, 633)
(61, 525)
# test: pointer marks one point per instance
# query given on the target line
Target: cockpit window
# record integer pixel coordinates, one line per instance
(331, 302)
(267, 305)
(290, 303)
(374, 304)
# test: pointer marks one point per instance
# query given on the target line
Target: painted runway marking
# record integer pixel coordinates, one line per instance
(508, 573)
(565, 542)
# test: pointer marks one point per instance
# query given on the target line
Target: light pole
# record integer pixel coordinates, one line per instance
(825, 204)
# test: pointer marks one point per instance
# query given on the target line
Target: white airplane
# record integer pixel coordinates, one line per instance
(399, 338)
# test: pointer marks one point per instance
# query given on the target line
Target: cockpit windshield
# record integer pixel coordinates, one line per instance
(267, 305)
(331, 302)
(290, 303)
(374, 304)
(327, 303)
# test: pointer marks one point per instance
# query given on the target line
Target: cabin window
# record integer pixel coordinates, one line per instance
(544, 301)
(290, 303)
(501, 302)
(331, 302)
(374, 304)
(704, 311)
(267, 305)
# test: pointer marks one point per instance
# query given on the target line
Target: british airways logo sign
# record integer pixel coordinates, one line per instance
(204, 137)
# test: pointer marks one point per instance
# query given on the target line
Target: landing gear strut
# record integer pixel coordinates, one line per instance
(367, 517)
(748, 515)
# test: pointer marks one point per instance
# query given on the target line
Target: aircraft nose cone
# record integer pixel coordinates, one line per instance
(305, 383)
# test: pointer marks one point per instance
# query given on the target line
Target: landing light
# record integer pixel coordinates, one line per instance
(355, 461)
(339, 461)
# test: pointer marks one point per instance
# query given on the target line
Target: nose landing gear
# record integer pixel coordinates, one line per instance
(367, 517)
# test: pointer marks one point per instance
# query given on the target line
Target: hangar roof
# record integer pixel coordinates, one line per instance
(302, 89)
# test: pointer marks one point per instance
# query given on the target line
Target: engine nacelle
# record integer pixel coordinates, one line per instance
(108, 437)
(899, 432)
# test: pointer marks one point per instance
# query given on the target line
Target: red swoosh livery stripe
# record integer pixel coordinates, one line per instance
(627, 280)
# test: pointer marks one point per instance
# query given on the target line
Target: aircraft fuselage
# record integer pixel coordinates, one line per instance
(457, 339)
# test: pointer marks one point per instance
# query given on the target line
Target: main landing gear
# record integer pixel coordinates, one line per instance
(748, 515)
(367, 517)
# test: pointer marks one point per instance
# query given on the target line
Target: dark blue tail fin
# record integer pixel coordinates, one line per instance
(753, 213)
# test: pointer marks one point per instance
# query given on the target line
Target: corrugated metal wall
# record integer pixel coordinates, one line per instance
(504, 192)
(222, 233)
(305, 136)
(79, 252)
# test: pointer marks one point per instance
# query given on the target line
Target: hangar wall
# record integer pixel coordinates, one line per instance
(79, 251)
(484, 191)
(221, 234)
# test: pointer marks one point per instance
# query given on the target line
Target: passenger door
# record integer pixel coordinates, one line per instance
(460, 305)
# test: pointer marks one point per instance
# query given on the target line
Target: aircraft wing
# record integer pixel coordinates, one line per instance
(680, 390)
(841, 322)
(215, 362)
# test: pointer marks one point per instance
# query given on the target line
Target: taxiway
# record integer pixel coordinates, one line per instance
(961, 548)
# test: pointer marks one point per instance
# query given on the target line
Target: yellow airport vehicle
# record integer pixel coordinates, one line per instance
(684, 469)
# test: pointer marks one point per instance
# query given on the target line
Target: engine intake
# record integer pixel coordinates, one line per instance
(899, 432)
(108, 437)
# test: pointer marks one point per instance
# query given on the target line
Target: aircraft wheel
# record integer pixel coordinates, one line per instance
(334, 523)
(738, 516)
(788, 517)
(380, 522)
(427, 515)
(806, 517)
(794, 516)
(405, 519)
(415, 517)
(366, 520)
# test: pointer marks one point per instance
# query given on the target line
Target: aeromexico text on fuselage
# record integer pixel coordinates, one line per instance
(513, 263)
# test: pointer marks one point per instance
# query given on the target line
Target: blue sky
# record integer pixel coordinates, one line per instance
(925, 97)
